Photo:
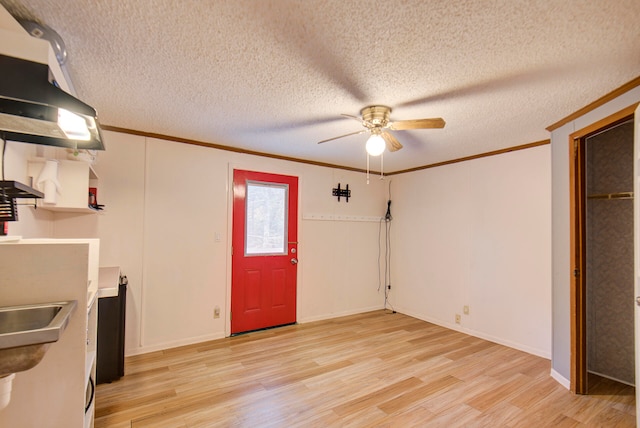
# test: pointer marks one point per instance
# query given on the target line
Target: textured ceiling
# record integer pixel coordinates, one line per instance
(274, 76)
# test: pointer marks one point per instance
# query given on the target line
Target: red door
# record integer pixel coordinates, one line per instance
(264, 261)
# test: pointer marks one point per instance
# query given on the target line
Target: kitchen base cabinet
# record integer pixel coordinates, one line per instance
(53, 394)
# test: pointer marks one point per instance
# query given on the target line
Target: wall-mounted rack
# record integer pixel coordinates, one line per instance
(10, 191)
(339, 217)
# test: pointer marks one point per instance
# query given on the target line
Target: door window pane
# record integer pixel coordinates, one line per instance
(266, 218)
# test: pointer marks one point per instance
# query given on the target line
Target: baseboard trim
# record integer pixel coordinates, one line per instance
(519, 346)
(194, 340)
(173, 344)
(560, 379)
(339, 314)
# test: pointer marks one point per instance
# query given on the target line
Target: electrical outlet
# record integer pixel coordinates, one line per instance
(458, 318)
(466, 310)
(216, 312)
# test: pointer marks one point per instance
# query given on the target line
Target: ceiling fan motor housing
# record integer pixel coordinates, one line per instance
(376, 116)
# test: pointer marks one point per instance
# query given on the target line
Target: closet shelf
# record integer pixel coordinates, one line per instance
(619, 195)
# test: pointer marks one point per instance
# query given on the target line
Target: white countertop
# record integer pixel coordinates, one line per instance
(108, 281)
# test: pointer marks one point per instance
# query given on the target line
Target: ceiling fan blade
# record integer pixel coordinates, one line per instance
(352, 117)
(402, 125)
(309, 45)
(392, 143)
(342, 136)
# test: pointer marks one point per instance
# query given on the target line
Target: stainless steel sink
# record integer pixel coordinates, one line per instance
(27, 331)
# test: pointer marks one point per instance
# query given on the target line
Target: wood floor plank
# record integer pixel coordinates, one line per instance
(459, 416)
(470, 350)
(409, 398)
(459, 394)
(375, 369)
(374, 398)
(499, 415)
(299, 376)
(488, 399)
(119, 406)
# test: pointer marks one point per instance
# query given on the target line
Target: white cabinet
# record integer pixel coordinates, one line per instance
(75, 178)
(90, 361)
(55, 392)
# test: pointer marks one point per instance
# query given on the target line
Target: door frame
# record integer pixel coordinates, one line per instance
(577, 227)
(250, 166)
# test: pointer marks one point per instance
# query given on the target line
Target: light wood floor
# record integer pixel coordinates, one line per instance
(369, 370)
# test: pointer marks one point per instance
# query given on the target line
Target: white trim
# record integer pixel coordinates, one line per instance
(173, 344)
(229, 246)
(636, 253)
(560, 379)
(215, 336)
(529, 350)
(143, 259)
(340, 314)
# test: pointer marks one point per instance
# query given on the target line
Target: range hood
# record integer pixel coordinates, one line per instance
(34, 109)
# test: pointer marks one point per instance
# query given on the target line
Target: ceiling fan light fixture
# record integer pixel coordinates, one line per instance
(375, 145)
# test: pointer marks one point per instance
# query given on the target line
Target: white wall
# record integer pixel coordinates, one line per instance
(477, 233)
(165, 202)
(32, 223)
(561, 358)
(465, 234)
(121, 190)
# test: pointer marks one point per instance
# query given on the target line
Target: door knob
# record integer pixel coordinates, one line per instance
(294, 261)
(638, 300)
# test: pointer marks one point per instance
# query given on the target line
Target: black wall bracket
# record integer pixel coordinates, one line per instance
(345, 193)
(10, 191)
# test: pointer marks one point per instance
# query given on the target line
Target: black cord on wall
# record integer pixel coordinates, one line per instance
(387, 253)
(4, 149)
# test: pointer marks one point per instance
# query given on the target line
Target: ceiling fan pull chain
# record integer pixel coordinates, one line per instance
(367, 168)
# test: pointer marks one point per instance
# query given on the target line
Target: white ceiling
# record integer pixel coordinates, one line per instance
(274, 76)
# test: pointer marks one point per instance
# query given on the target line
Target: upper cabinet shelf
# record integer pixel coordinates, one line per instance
(74, 178)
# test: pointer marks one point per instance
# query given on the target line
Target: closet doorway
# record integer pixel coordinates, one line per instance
(602, 296)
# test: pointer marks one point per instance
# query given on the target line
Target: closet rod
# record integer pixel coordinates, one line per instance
(619, 195)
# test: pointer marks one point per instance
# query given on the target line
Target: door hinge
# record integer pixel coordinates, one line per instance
(576, 272)
(230, 316)
(575, 148)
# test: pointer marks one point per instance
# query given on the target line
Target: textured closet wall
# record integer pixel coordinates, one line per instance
(610, 311)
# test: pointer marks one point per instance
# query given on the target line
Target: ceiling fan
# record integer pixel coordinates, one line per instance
(375, 120)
